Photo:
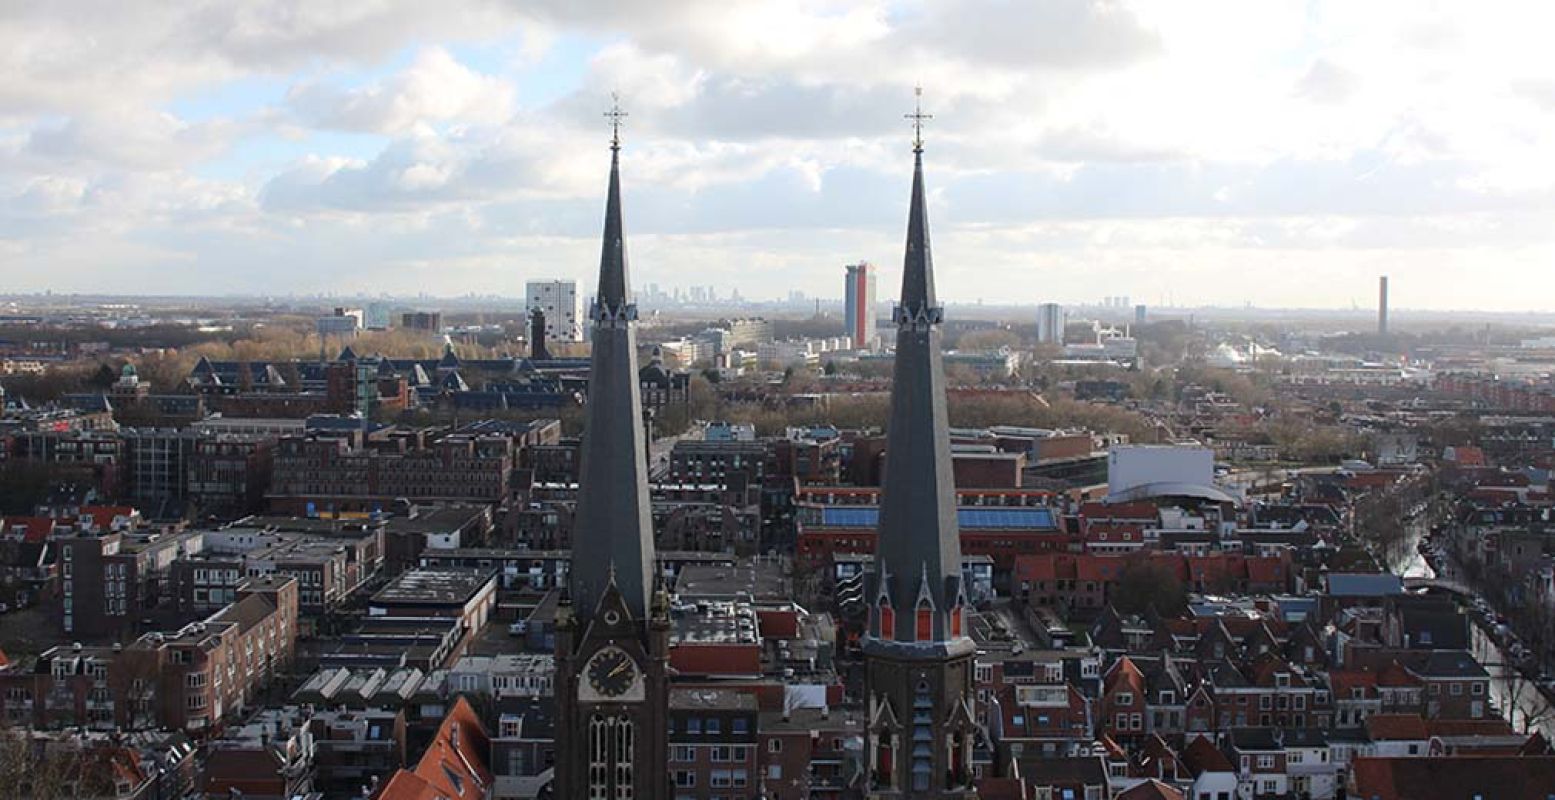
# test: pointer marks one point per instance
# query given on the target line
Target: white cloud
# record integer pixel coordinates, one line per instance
(434, 88)
(1127, 142)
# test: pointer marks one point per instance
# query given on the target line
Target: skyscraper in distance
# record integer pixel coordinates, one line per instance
(1050, 323)
(858, 292)
(563, 307)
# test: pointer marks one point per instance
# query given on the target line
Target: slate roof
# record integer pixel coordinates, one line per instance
(1364, 585)
(919, 549)
(613, 528)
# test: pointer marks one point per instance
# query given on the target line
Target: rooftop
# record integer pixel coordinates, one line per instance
(434, 586)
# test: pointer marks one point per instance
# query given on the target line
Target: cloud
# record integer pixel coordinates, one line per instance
(1217, 145)
(434, 88)
(1327, 82)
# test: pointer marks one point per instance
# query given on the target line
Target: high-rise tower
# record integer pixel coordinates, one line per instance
(1382, 306)
(858, 299)
(612, 626)
(918, 657)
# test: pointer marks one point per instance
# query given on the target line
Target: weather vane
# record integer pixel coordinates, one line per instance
(918, 117)
(615, 115)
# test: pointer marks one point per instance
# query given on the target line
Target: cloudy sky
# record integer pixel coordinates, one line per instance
(1203, 151)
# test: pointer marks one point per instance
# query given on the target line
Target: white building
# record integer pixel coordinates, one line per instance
(563, 308)
(344, 322)
(1050, 323)
(1147, 470)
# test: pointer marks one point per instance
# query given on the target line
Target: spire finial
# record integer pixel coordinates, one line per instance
(615, 115)
(918, 118)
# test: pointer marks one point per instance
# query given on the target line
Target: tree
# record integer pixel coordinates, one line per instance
(1144, 583)
(103, 378)
(53, 767)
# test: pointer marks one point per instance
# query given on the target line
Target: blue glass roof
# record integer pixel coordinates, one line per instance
(975, 518)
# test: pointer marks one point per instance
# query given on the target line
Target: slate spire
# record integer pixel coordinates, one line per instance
(918, 566)
(612, 540)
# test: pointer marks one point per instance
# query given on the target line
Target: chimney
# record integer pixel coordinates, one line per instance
(537, 349)
(1382, 306)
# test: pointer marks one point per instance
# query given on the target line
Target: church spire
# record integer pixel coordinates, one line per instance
(919, 551)
(612, 541)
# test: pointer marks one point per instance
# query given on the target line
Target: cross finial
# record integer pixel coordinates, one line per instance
(615, 115)
(918, 118)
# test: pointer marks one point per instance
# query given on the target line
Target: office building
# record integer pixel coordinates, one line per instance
(1050, 323)
(562, 305)
(859, 304)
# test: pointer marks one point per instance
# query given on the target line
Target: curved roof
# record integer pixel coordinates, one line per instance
(1172, 489)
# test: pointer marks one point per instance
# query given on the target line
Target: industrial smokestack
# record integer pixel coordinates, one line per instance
(1382, 306)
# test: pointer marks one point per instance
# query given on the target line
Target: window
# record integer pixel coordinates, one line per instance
(693, 725)
(1266, 762)
(1125, 698)
(1457, 689)
(774, 745)
(685, 779)
(1477, 688)
(740, 725)
(684, 753)
(714, 726)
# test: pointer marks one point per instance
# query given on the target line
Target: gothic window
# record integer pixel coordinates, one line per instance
(599, 757)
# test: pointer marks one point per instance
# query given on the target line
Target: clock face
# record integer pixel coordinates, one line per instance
(611, 673)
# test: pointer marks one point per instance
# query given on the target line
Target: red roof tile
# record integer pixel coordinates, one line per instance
(1396, 727)
(1151, 789)
(454, 764)
(1201, 755)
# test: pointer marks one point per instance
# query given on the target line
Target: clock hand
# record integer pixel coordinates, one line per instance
(617, 670)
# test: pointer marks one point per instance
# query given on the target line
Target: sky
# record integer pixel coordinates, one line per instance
(1224, 152)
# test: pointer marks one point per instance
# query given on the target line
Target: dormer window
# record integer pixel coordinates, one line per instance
(1282, 679)
(887, 622)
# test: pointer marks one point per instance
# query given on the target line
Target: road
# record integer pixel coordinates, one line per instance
(1519, 699)
(659, 456)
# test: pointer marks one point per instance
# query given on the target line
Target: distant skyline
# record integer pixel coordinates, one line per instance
(1220, 152)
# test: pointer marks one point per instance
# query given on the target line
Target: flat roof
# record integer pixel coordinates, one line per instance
(757, 581)
(440, 586)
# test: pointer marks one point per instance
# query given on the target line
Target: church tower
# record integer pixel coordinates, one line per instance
(612, 625)
(918, 657)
